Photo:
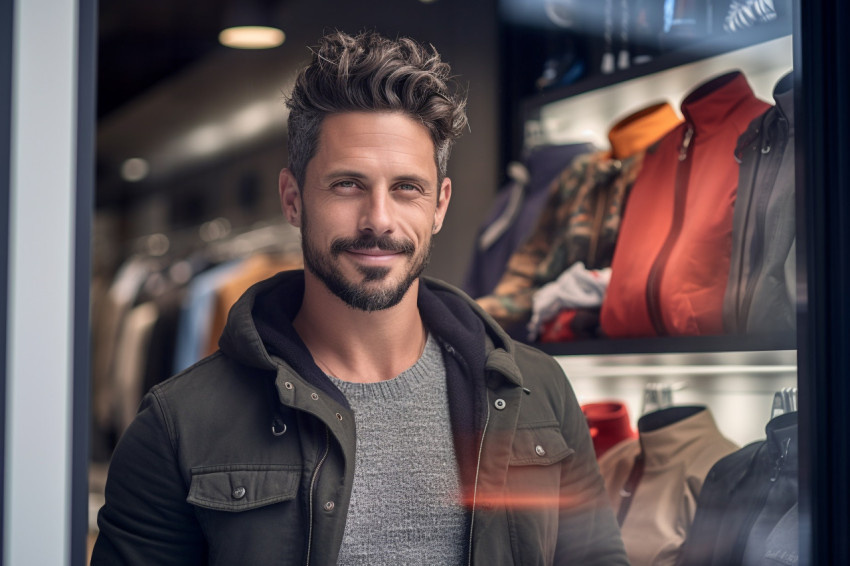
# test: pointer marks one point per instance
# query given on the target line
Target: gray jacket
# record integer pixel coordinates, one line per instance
(761, 292)
(247, 457)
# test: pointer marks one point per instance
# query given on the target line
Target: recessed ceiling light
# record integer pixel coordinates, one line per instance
(134, 169)
(251, 37)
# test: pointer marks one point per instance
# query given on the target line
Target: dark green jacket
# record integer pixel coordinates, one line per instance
(247, 457)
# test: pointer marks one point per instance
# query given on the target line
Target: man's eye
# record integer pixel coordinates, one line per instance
(345, 184)
(408, 187)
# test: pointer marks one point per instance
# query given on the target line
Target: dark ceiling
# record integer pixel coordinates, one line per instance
(142, 42)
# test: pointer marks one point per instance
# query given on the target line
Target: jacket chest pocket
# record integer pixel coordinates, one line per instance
(250, 514)
(534, 471)
(237, 488)
(534, 496)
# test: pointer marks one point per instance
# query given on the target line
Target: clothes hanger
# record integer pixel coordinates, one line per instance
(658, 396)
(784, 401)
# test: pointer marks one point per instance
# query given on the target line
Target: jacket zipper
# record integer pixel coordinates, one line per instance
(312, 488)
(738, 290)
(475, 487)
(680, 192)
(758, 241)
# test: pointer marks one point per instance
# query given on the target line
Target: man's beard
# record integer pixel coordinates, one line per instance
(325, 266)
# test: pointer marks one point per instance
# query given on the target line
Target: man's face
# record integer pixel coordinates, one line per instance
(369, 207)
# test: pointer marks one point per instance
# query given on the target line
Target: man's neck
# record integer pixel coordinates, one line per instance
(356, 345)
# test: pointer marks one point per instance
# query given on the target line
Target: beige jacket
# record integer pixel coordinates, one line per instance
(677, 458)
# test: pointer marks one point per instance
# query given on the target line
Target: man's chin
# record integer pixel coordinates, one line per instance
(373, 274)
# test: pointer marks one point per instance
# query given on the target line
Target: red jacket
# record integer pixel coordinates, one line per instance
(671, 264)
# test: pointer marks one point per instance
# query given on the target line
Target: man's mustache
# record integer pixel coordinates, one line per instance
(385, 243)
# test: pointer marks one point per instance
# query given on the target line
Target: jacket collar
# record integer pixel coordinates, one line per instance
(259, 326)
(640, 129)
(663, 442)
(783, 94)
(710, 106)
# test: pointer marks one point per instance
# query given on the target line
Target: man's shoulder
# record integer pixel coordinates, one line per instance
(541, 374)
(529, 357)
(214, 379)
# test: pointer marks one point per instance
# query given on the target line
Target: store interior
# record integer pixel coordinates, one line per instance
(191, 136)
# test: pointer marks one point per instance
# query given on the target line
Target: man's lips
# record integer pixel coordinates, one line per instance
(374, 253)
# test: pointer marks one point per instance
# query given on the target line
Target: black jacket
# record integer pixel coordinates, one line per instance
(237, 459)
(747, 510)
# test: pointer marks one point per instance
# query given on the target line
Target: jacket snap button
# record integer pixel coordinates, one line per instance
(329, 506)
(338, 417)
(540, 451)
(314, 396)
(239, 493)
(500, 404)
(288, 385)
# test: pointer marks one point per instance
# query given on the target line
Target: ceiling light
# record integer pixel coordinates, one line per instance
(134, 169)
(251, 37)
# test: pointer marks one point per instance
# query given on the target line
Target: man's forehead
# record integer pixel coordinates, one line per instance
(347, 134)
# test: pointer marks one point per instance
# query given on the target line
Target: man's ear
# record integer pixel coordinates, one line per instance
(442, 204)
(290, 197)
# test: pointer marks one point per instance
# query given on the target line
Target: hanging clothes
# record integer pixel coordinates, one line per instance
(670, 270)
(581, 218)
(194, 323)
(747, 510)
(761, 290)
(252, 270)
(609, 424)
(514, 213)
(653, 482)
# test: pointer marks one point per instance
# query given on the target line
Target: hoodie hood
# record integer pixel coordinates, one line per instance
(259, 328)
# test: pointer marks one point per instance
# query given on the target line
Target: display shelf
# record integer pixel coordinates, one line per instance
(672, 344)
(692, 53)
(587, 115)
(586, 110)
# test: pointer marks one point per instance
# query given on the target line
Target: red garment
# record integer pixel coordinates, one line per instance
(671, 264)
(571, 324)
(609, 424)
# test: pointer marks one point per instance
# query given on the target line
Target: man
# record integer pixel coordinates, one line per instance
(357, 413)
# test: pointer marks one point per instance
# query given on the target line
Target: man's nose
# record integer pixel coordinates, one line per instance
(376, 214)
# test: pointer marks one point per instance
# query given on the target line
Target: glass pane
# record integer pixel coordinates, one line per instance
(624, 200)
(661, 272)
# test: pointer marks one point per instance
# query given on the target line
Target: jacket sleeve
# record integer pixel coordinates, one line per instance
(588, 531)
(146, 519)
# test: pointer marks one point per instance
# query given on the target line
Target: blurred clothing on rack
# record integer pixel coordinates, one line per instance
(253, 269)
(581, 217)
(514, 213)
(160, 314)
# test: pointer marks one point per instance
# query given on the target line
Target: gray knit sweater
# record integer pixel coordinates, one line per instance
(405, 504)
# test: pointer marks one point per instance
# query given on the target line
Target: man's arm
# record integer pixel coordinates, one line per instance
(588, 532)
(146, 519)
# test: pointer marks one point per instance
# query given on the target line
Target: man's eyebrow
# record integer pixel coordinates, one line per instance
(344, 173)
(354, 174)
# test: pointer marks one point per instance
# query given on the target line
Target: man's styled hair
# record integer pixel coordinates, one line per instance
(369, 72)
